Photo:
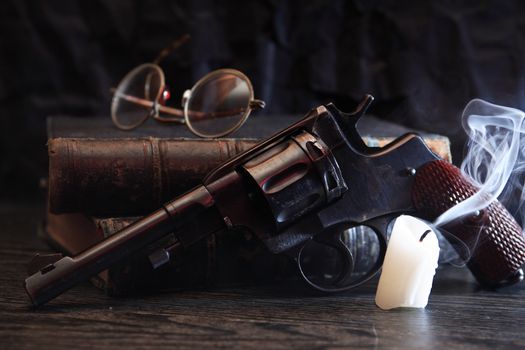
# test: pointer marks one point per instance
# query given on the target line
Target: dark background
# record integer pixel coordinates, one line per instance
(423, 61)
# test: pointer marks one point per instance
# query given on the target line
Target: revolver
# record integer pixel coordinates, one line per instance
(307, 185)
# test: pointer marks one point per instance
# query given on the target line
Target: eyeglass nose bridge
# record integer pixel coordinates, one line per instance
(155, 109)
(185, 97)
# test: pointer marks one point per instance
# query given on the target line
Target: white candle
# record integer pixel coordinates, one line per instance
(410, 263)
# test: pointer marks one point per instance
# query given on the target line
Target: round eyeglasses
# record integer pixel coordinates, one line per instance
(217, 105)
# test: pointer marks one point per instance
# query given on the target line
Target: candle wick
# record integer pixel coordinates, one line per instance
(424, 235)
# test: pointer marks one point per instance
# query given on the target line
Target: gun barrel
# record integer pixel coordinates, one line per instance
(56, 278)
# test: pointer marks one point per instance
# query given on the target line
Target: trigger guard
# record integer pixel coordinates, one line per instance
(331, 236)
(347, 269)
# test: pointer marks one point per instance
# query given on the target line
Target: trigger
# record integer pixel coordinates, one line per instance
(336, 241)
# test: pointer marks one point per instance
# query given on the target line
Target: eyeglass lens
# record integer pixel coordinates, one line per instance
(135, 96)
(218, 104)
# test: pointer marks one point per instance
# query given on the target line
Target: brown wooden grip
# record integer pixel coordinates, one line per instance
(494, 238)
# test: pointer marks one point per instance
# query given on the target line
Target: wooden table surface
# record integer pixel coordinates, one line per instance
(458, 316)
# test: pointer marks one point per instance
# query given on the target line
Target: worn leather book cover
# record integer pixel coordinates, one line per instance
(97, 169)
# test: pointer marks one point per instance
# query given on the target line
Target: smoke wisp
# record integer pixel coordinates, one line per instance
(494, 162)
(495, 157)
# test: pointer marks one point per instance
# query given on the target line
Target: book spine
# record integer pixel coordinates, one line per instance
(115, 177)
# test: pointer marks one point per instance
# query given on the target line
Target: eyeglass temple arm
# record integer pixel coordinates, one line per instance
(254, 104)
(171, 47)
(178, 114)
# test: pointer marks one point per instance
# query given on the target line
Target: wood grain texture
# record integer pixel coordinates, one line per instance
(459, 315)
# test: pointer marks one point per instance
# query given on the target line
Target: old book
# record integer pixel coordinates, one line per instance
(97, 169)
